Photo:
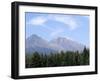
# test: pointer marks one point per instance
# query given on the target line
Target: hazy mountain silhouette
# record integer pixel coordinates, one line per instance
(36, 43)
(65, 44)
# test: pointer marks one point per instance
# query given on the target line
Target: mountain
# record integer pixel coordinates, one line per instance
(36, 43)
(65, 44)
(35, 40)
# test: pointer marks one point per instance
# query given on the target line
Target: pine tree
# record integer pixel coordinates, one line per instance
(85, 56)
(35, 60)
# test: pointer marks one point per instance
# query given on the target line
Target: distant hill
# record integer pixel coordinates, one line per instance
(36, 43)
(65, 44)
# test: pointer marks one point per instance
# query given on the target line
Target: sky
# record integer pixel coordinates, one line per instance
(50, 26)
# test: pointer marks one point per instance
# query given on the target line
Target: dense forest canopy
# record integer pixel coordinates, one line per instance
(68, 58)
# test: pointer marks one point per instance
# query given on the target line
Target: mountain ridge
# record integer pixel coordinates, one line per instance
(36, 43)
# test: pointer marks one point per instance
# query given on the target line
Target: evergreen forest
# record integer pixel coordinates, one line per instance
(68, 58)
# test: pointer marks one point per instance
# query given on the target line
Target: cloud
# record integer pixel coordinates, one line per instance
(37, 21)
(68, 20)
(56, 33)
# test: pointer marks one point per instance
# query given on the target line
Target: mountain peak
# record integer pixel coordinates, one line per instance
(37, 43)
(33, 36)
(61, 40)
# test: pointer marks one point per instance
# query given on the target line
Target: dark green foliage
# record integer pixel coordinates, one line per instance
(68, 58)
(85, 56)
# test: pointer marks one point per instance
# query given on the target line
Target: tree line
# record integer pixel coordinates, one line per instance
(68, 58)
